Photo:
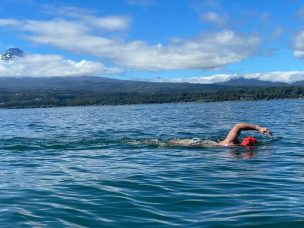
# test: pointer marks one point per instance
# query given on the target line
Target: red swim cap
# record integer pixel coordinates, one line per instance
(248, 141)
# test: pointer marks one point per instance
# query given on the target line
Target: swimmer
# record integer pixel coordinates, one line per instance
(232, 138)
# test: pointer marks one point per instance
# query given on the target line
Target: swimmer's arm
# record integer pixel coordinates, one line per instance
(232, 137)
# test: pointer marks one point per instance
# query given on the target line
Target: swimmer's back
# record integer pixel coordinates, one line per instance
(196, 142)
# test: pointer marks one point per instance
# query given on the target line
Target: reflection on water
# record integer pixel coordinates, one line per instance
(151, 165)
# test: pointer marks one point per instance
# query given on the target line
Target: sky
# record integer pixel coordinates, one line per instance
(199, 41)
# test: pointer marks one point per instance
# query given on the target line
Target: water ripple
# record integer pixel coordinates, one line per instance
(114, 166)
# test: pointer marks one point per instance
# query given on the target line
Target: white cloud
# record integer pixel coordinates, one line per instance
(299, 45)
(298, 54)
(65, 11)
(276, 76)
(87, 18)
(214, 18)
(50, 65)
(205, 51)
(209, 50)
(111, 23)
(9, 22)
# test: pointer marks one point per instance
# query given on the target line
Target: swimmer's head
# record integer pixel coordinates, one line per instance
(249, 141)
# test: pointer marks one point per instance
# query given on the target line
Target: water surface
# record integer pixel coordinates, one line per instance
(112, 166)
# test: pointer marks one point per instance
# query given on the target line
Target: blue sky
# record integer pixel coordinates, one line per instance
(200, 41)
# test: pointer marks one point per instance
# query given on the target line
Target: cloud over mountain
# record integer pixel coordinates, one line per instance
(278, 76)
(34, 65)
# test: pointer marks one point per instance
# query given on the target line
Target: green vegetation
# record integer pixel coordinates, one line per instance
(59, 97)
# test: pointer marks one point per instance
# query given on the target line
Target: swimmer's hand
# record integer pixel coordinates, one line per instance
(265, 131)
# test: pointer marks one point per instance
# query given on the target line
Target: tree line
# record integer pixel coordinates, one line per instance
(58, 97)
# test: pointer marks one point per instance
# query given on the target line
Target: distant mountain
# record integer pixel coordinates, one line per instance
(243, 82)
(100, 84)
(298, 83)
(12, 53)
(109, 85)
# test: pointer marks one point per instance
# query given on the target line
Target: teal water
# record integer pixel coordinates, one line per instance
(112, 166)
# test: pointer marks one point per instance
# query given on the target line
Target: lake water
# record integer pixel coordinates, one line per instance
(112, 166)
